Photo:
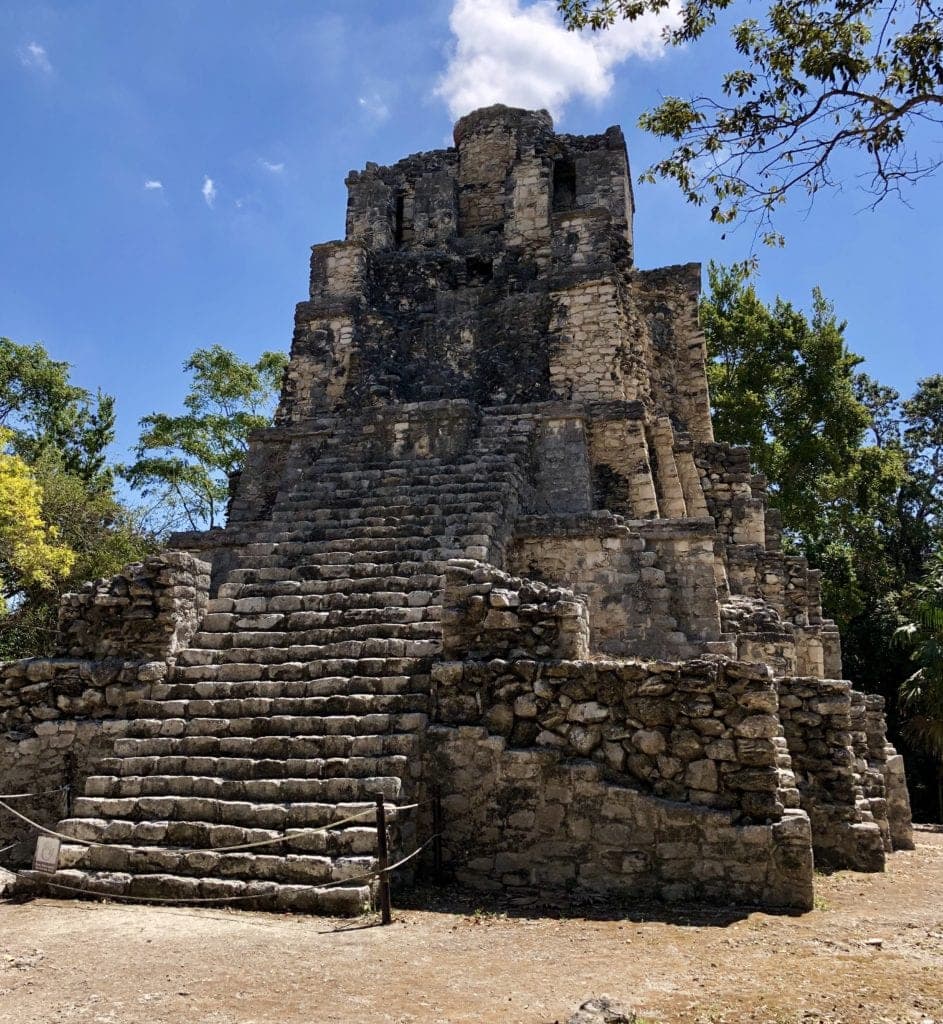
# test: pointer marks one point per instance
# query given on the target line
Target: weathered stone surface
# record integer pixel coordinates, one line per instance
(489, 546)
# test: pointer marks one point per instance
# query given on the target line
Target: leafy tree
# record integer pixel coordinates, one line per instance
(104, 533)
(32, 556)
(856, 472)
(186, 460)
(783, 384)
(813, 80)
(102, 536)
(44, 411)
(63, 523)
(922, 692)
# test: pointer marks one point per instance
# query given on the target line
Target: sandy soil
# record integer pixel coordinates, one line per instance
(871, 952)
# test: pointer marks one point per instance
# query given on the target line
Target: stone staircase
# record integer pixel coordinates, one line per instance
(302, 698)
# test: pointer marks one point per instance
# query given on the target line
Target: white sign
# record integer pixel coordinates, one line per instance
(46, 857)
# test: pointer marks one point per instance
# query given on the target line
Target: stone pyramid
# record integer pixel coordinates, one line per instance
(489, 549)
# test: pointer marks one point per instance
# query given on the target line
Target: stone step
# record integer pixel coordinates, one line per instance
(340, 780)
(311, 837)
(290, 868)
(419, 485)
(265, 749)
(313, 509)
(201, 665)
(343, 842)
(341, 901)
(349, 649)
(410, 715)
(367, 603)
(371, 542)
(229, 708)
(219, 811)
(274, 689)
(359, 750)
(327, 524)
(422, 610)
(376, 583)
(438, 551)
(351, 570)
(353, 467)
(247, 637)
(331, 529)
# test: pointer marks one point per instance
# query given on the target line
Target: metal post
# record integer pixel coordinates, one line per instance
(437, 835)
(383, 857)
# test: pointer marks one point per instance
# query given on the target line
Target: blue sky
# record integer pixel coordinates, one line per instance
(167, 166)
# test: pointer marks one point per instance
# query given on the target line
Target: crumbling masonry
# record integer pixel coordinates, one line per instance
(489, 545)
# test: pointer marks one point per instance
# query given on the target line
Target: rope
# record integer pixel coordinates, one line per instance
(157, 899)
(25, 796)
(227, 899)
(5, 848)
(215, 849)
(376, 874)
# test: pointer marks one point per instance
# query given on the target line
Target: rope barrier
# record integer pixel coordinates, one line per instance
(25, 796)
(158, 899)
(381, 873)
(214, 849)
(225, 899)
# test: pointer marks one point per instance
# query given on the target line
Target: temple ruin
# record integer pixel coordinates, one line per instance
(490, 546)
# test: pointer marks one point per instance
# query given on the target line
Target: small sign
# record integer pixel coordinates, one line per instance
(46, 857)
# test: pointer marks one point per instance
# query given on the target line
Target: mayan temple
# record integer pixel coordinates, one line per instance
(489, 549)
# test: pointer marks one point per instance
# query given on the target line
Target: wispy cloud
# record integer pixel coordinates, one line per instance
(34, 56)
(209, 191)
(507, 51)
(153, 185)
(374, 106)
(274, 168)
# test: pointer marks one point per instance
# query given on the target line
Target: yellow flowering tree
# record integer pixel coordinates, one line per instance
(32, 558)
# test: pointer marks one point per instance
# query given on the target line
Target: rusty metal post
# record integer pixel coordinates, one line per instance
(383, 857)
(437, 835)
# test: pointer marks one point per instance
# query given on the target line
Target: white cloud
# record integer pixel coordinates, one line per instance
(209, 191)
(153, 185)
(34, 56)
(510, 52)
(274, 168)
(374, 106)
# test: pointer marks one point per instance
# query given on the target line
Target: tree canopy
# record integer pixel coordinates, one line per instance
(186, 460)
(60, 521)
(922, 692)
(44, 411)
(783, 383)
(812, 81)
(31, 553)
(857, 474)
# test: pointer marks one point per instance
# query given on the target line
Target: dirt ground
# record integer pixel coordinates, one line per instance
(871, 951)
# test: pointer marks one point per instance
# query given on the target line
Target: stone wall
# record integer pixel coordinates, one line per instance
(530, 821)
(703, 732)
(488, 614)
(147, 612)
(816, 716)
(58, 716)
(883, 758)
